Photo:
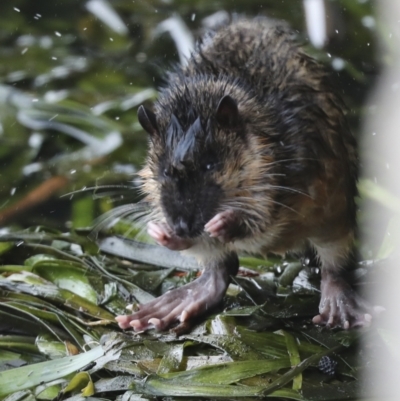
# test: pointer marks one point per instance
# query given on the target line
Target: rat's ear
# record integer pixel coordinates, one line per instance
(147, 120)
(227, 112)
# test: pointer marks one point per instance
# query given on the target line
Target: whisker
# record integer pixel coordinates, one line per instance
(251, 189)
(142, 220)
(98, 188)
(292, 190)
(286, 206)
(243, 207)
(244, 204)
(290, 160)
(264, 188)
(133, 209)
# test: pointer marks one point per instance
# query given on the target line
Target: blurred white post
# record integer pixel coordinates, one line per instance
(104, 11)
(385, 124)
(315, 13)
(180, 34)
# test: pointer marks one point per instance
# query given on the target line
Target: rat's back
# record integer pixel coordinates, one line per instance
(261, 53)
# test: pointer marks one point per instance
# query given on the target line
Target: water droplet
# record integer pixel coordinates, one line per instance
(193, 16)
(338, 63)
(368, 21)
(35, 140)
(57, 33)
(141, 57)
(17, 9)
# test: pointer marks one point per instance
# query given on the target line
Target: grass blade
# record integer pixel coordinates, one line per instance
(32, 375)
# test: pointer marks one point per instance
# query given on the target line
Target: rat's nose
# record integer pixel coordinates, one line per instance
(181, 228)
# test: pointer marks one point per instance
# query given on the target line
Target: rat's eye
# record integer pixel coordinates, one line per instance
(166, 173)
(209, 166)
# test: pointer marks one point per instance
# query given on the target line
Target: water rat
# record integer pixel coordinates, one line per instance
(250, 152)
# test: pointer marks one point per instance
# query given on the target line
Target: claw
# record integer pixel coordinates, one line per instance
(341, 306)
(181, 304)
(222, 226)
(164, 236)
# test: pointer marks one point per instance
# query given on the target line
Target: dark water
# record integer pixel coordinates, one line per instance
(73, 73)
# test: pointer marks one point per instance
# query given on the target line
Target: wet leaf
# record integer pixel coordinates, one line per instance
(30, 376)
(81, 382)
(68, 276)
(49, 393)
(171, 360)
(147, 253)
(294, 356)
(31, 284)
(5, 247)
(48, 346)
(290, 273)
(227, 373)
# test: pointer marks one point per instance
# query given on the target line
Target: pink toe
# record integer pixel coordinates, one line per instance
(157, 323)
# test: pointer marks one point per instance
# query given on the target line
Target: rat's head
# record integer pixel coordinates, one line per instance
(190, 153)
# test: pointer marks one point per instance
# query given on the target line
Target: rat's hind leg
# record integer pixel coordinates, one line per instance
(187, 302)
(340, 305)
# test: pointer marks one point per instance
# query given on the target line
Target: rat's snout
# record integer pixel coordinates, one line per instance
(182, 228)
(188, 206)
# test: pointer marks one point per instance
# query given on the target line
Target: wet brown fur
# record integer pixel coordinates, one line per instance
(294, 180)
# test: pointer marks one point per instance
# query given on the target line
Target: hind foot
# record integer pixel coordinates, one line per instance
(341, 306)
(181, 304)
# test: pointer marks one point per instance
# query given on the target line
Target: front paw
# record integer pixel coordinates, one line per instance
(224, 226)
(164, 236)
